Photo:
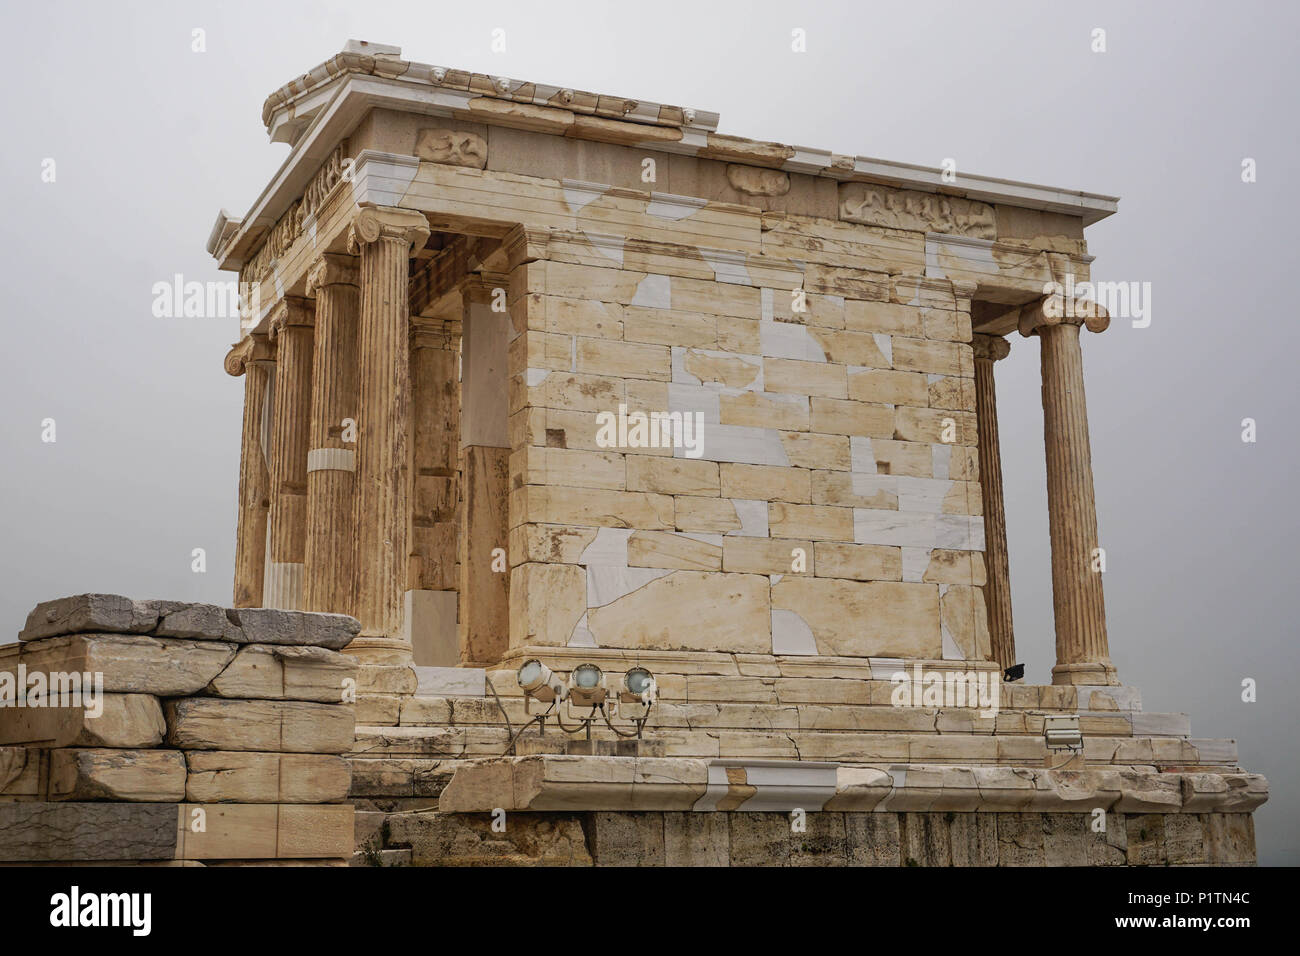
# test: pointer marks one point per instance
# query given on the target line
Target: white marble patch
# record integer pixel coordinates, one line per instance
(608, 548)
(673, 208)
(753, 518)
(578, 194)
(788, 340)
(654, 292)
(941, 460)
(915, 562)
(743, 444)
(606, 584)
(959, 532)
(791, 634)
(536, 376)
(727, 266)
(885, 343)
(862, 458)
(582, 636)
(922, 494)
(893, 528)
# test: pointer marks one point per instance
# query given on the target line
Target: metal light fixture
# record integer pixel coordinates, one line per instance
(539, 683)
(586, 686)
(1061, 732)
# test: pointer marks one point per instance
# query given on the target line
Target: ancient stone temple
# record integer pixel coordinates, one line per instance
(536, 374)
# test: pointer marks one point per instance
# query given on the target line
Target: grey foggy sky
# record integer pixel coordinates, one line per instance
(1200, 529)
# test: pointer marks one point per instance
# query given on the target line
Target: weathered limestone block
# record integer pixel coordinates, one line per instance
(1145, 792)
(1067, 839)
(1020, 839)
(873, 839)
(280, 672)
(451, 147)
(859, 789)
(965, 619)
(19, 772)
(760, 839)
(627, 839)
(1185, 839)
(465, 839)
(555, 782)
(1223, 793)
(278, 726)
(199, 622)
(36, 832)
(665, 549)
(393, 679)
(546, 603)
(865, 619)
(696, 839)
(973, 838)
(1146, 839)
(689, 610)
(379, 710)
(757, 181)
(151, 776)
(89, 612)
(1229, 837)
(877, 205)
(127, 721)
(256, 831)
(226, 777)
(131, 664)
(271, 626)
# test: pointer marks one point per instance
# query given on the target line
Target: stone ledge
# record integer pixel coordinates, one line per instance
(552, 782)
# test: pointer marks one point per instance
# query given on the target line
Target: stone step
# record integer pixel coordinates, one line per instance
(825, 689)
(485, 711)
(843, 746)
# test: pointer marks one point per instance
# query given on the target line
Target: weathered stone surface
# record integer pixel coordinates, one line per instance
(280, 672)
(1020, 839)
(270, 626)
(199, 622)
(877, 205)
(873, 839)
(259, 831)
(758, 181)
(132, 664)
(127, 721)
(760, 839)
(34, 832)
(153, 776)
(278, 726)
(89, 612)
(861, 619)
(689, 609)
(233, 777)
(696, 839)
(468, 839)
(627, 839)
(451, 147)
(1146, 839)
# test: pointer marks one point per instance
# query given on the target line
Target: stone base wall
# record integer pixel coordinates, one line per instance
(191, 733)
(735, 838)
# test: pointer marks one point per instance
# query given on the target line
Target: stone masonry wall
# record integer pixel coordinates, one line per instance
(217, 738)
(829, 839)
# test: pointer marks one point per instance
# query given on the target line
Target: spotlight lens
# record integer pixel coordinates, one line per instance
(637, 680)
(529, 672)
(586, 676)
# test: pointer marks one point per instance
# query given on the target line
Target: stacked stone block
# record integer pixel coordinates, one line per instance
(217, 737)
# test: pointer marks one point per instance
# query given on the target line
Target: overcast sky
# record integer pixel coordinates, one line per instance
(150, 139)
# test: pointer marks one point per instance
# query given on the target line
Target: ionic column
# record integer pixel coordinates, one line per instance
(329, 583)
(997, 586)
(291, 330)
(384, 237)
(253, 359)
(1082, 654)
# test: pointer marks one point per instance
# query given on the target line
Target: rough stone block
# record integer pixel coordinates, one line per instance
(75, 832)
(240, 777)
(280, 672)
(153, 776)
(127, 721)
(277, 726)
(132, 664)
(89, 612)
(271, 626)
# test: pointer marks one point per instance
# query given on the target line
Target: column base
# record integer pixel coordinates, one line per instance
(380, 649)
(1091, 672)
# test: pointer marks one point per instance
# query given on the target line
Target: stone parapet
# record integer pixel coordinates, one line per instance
(134, 731)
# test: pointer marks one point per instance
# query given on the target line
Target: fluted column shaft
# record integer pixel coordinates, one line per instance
(329, 575)
(1082, 653)
(384, 239)
(997, 586)
(253, 359)
(291, 328)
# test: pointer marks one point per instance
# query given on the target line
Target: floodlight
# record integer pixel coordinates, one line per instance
(537, 681)
(586, 686)
(1061, 731)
